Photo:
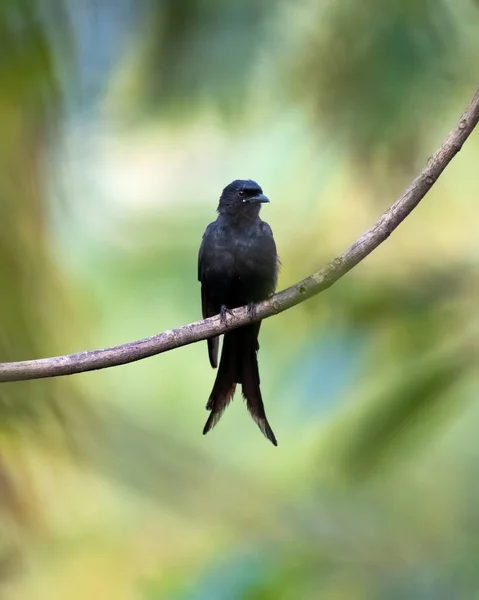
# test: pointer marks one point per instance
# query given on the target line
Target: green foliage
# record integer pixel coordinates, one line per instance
(372, 492)
(225, 39)
(378, 74)
(29, 413)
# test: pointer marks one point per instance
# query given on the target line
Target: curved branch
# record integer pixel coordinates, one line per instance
(312, 285)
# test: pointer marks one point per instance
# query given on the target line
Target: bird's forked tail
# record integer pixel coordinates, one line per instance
(239, 364)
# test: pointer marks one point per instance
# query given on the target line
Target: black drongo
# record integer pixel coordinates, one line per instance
(237, 265)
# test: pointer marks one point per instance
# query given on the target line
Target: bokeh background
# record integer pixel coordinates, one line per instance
(120, 124)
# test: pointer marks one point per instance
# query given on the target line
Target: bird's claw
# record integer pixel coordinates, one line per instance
(223, 312)
(252, 310)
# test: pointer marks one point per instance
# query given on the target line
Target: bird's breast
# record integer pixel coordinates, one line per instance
(241, 265)
(247, 251)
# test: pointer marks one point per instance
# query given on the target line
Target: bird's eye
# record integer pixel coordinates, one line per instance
(241, 193)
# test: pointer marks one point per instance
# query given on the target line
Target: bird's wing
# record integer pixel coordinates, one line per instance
(201, 253)
(207, 308)
(213, 343)
(268, 233)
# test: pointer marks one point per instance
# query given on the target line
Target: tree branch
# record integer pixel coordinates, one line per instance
(312, 285)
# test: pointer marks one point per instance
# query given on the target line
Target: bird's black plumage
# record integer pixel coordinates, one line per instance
(237, 265)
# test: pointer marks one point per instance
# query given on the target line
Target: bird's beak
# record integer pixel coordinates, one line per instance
(259, 198)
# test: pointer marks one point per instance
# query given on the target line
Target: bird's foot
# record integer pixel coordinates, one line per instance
(252, 310)
(223, 312)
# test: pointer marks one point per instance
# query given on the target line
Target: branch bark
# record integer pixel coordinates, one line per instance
(314, 284)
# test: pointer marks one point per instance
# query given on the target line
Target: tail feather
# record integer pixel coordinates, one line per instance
(213, 344)
(217, 409)
(251, 389)
(225, 383)
(239, 364)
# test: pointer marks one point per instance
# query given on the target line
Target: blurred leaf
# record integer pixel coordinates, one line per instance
(419, 396)
(378, 73)
(197, 53)
(32, 414)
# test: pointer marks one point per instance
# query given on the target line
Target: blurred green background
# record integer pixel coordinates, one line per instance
(121, 122)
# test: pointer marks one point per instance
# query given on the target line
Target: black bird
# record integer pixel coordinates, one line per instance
(237, 265)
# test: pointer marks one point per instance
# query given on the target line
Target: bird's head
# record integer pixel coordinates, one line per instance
(242, 197)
